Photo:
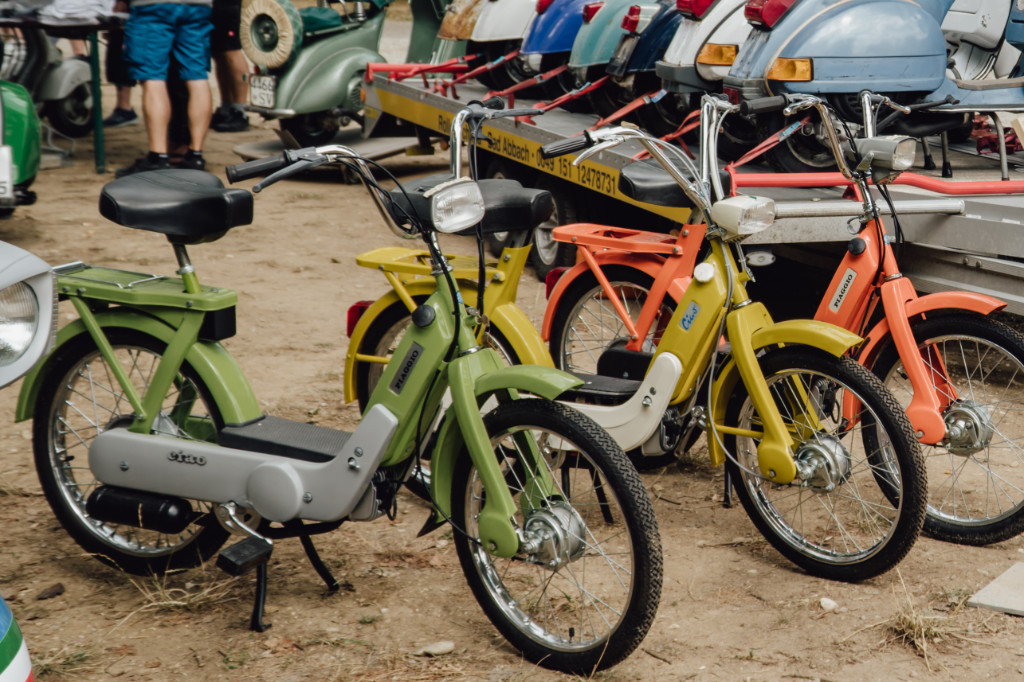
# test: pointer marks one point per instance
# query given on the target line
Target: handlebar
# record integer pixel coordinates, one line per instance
(763, 105)
(567, 146)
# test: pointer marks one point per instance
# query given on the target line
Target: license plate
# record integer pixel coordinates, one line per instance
(261, 91)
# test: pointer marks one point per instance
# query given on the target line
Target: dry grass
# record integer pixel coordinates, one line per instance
(63, 661)
(159, 594)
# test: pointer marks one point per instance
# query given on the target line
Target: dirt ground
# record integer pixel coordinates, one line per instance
(732, 608)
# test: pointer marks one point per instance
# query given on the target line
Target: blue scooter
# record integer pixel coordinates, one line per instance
(548, 44)
(897, 48)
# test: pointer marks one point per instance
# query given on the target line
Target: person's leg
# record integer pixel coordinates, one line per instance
(156, 111)
(192, 51)
(200, 106)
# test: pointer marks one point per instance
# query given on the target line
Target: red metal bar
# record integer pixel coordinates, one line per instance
(642, 100)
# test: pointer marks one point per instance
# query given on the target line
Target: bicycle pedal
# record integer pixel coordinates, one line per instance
(244, 556)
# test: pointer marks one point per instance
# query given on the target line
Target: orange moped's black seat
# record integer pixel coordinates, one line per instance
(189, 206)
(648, 182)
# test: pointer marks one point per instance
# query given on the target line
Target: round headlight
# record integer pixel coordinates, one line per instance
(456, 205)
(19, 317)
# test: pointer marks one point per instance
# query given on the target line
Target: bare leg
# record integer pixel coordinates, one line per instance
(200, 107)
(231, 69)
(124, 97)
(156, 111)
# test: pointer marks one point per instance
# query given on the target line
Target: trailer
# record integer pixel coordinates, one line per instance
(971, 241)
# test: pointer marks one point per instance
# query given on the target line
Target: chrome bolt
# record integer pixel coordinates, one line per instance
(492, 546)
(359, 452)
(307, 498)
(353, 464)
(771, 473)
(919, 434)
(124, 466)
(647, 401)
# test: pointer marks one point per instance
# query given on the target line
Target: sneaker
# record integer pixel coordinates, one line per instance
(192, 161)
(121, 117)
(229, 121)
(143, 164)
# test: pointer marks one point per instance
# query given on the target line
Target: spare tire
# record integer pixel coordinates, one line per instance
(270, 32)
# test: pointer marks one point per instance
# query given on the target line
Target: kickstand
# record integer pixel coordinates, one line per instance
(256, 623)
(947, 169)
(929, 162)
(318, 564)
(727, 491)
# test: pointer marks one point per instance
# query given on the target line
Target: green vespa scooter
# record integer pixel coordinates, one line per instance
(19, 148)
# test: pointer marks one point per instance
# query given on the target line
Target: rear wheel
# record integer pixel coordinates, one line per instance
(79, 398)
(311, 130)
(72, 115)
(548, 254)
(839, 519)
(804, 151)
(509, 72)
(976, 475)
(582, 592)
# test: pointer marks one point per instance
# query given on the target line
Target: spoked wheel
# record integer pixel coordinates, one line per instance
(79, 398)
(838, 519)
(582, 593)
(586, 323)
(976, 475)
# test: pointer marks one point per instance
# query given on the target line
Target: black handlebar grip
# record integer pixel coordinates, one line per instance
(561, 147)
(256, 167)
(491, 103)
(763, 105)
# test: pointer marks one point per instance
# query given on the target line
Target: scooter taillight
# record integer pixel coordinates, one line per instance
(542, 5)
(552, 279)
(590, 9)
(732, 94)
(356, 311)
(694, 8)
(631, 21)
(765, 13)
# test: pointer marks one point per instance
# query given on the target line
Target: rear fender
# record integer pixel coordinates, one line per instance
(229, 388)
(320, 77)
(503, 20)
(555, 30)
(62, 79)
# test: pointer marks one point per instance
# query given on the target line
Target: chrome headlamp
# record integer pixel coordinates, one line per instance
(743, 216)
(28, 305)
(886, 152)
(455, 205)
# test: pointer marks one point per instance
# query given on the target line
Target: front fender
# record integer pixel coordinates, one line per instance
(229, 388)
(650, 265)
(542, 381)
(65, 77)
(822, 335)
(930, 303)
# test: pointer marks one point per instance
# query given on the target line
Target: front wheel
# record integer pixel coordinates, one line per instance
(72, 115)
(976, 475)
(79, 398)
(582, 593)
(853, 513)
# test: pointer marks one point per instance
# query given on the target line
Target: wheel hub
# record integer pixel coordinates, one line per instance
(968, 428)
(823, 464)
(554, 536)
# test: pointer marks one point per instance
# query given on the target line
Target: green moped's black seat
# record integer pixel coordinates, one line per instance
(189, 206)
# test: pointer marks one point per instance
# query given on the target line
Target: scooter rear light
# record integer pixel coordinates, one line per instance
(694, 8)
(718, 55)
(765, 13)
(590, 9)
(732, 94)
(631, 21)
(542, 6)
(355, 312)
(552, 279)
(784, 69)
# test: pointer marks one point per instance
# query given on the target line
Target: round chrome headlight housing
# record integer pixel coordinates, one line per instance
(19, 321)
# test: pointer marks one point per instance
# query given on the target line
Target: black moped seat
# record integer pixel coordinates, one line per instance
(648, 182)
(189, 206)
(509, 207)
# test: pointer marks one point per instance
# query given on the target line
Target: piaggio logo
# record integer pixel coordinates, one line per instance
(690, 315)
(411, 358)
(844, 288)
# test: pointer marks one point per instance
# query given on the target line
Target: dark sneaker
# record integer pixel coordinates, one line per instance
(229, 121)
(121, 117)
(192, 161)
(142, 165)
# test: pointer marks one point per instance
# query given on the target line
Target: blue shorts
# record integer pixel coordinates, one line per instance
(154, 33)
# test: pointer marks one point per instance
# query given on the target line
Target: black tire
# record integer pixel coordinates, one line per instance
(563, 83)
(608, 98)
(664, 116)
(386, 331)
(548, 254)
(975, 485)
(78, 400)
(588, 603)
(801, 152)
(270, 32)
(506, 74)
(856, 530)
(72, 115)
(585, 325)
(311, 130)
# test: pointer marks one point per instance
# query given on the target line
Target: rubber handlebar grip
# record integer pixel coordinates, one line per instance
(561, 147)
(763, 105)
(256, 167)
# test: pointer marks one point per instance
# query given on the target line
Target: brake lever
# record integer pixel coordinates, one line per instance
(303, 164)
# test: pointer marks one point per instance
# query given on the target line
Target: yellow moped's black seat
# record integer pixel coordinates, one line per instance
(189, 206)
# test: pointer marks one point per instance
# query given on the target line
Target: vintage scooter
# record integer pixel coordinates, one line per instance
(310, 63)
(494, 30)
(548, 44)
(19, 147)
(61, 88)
(902, 50)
